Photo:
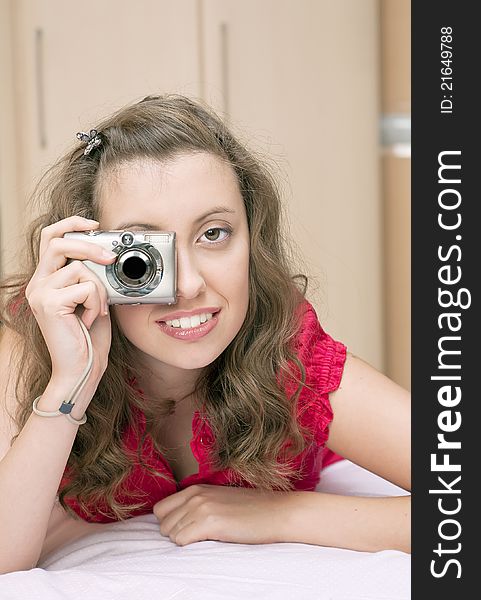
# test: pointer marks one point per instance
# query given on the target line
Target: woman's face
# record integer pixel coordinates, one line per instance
(212, 254)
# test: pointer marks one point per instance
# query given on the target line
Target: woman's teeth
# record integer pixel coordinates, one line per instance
(189, 322)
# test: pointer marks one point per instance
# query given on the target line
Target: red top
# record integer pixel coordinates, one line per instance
(323, 359)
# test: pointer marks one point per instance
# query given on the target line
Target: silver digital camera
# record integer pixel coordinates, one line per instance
(145, 271)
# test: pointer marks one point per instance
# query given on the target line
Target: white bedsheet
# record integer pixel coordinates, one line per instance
(130, 560)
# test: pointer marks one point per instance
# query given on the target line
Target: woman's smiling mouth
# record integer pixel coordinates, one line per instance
(189, 328)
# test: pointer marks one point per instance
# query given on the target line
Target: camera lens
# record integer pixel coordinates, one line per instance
(134, 267)
(137, 270)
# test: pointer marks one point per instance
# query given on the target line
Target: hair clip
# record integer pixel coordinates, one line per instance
(92, 139)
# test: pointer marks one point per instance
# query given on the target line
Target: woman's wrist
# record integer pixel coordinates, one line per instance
(60, 390)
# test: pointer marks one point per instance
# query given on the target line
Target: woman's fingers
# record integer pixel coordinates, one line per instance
(66, 297)
(172, 520)
(76, 272)
(57, 230)
(56, 251)
(59, 250)
(85, 293)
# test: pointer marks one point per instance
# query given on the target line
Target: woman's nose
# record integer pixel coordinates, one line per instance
(190, 281)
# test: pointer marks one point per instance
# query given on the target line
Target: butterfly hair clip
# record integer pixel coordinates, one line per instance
(92, 139)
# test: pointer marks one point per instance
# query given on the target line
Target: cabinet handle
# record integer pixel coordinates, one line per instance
(396, 134)
(224, 65)
(42, 132)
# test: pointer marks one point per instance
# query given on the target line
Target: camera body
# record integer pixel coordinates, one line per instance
(145, 271)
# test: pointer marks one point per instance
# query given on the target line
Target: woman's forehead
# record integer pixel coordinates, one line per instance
(191, 184)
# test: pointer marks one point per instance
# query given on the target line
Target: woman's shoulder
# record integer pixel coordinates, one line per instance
(322, 356)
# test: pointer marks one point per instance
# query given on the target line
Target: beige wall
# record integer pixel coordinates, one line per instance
(11, 210)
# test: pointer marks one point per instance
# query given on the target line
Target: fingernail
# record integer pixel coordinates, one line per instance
(107, 254)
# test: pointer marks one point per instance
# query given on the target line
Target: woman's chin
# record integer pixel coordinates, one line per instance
(191, 360)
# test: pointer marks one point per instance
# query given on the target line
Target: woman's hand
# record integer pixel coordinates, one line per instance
(222, 513)
(57, 289)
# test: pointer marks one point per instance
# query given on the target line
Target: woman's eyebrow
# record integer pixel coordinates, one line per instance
(150, 227)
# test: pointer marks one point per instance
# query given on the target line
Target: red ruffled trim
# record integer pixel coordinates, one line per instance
(323, 359)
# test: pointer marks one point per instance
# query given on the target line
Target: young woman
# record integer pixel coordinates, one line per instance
(216, 412)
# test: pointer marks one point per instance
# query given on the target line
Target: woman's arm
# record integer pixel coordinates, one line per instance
(352, 522)
(30, 469)
(372, 422)
(252, 516)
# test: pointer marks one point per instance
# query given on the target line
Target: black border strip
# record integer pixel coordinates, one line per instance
(445, 361)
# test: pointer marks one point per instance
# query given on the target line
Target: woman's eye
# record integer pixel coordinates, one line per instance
(214, 234)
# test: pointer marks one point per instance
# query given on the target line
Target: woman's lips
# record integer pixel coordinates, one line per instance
(192, 333)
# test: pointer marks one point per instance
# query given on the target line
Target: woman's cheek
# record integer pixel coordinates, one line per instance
(129, 317)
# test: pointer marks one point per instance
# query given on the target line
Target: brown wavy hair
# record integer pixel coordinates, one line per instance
(253, 420)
